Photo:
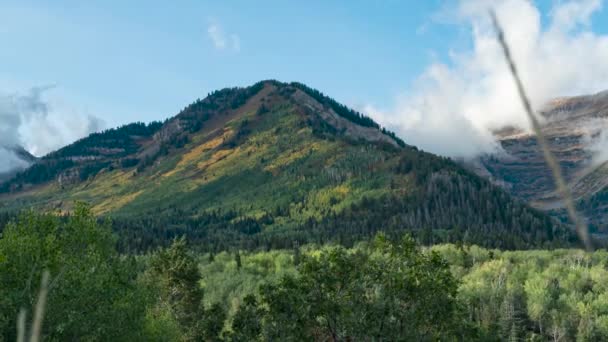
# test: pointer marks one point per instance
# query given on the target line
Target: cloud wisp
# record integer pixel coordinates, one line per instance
(221, 40)
(456, 105)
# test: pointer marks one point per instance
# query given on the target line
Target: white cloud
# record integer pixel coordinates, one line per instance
(217, 36)
(455, 106)
(574, 12)
(236, 42)
(221, 40)
(31, 121)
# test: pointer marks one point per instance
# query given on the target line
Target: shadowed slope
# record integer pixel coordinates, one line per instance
(272, 165)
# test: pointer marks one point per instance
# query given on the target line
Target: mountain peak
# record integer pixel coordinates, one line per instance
(276, 158)
(219, 113)
(263, 95)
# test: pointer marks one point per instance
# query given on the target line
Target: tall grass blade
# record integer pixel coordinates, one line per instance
(39, 312)
(21, 326)
(563, 189)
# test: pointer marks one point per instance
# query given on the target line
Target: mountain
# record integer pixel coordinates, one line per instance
(272, 165)
(574, 128)
(18, 159)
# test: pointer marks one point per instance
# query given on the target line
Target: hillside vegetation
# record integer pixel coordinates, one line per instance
(271, 166)
(381, 289)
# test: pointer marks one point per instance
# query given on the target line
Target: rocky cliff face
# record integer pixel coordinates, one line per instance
(577, 131)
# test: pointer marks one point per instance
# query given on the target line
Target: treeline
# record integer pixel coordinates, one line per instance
(122, 139)
(192, 119)
(219, 101)
(384, 289)
(594, 207)
(337, 107)
(119, 147)
(345, 111)
(555, 295)
(450, 207)
(537, 295)
(98, 295)
(85, 157)
(445, 204)
(39, 172)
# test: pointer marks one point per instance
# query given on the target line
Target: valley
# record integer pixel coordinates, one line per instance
(215, 224)
(327, 171)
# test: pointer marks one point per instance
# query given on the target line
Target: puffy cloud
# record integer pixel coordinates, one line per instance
(455, 106)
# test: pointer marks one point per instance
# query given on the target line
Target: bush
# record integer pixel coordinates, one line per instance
(92, 293)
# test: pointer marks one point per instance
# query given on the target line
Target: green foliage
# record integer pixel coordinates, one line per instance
(128, 162)
(123, 138)
(92, 294)
(247, 322)
(179, 276)
(213, 322)
(87, 156)
(533, 295)
(340, 109)
(381, 290)
(360, 190)
(489, 295)
(237, 258)
(223, 282)
(40, 172)
(178, 280)
(392, 292)
(230, 179)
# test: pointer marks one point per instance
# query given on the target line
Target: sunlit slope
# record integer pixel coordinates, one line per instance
(244, 161)
(279, 158)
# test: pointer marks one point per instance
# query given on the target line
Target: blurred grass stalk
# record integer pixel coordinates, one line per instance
(581, 227)
(36, 332)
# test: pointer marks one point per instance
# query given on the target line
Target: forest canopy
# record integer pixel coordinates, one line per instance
(384, 287)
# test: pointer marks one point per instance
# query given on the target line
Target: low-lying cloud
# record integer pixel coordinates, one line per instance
(455, 106)
(595, 139)
(10, 161)
(30, 121)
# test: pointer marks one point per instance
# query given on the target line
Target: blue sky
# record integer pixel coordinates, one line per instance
(126, 61)
(144, 60)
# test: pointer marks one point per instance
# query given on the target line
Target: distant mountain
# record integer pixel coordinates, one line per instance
(273, 165)
(19, 160)
(575, 128)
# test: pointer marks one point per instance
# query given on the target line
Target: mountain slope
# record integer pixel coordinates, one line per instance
(574, 128)
(270, 165)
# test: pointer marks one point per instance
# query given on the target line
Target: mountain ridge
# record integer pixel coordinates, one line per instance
(574, 127)
(273, 164)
